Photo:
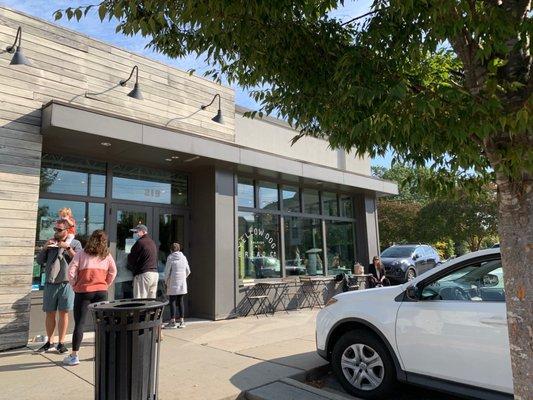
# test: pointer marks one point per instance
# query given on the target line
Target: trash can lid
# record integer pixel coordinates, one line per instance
(128, 304)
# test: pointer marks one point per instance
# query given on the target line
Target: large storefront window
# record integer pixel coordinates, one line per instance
(88, 216)
(72, 176)
(258, 246)
(148, 185)
(340, 247)
(305, 212)
(304, 253)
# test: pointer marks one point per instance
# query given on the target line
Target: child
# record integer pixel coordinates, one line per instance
(66, 214)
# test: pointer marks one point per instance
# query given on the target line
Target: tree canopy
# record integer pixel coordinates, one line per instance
(409, 179)
(452, 219)
(447, 81)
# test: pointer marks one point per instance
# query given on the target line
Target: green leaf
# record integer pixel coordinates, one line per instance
(102, 11)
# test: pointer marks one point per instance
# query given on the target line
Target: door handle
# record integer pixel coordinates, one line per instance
(493, 321)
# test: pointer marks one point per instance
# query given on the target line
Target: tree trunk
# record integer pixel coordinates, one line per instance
(515, 202)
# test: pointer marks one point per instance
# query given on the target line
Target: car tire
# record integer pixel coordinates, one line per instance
(410, 274)
(364, 381)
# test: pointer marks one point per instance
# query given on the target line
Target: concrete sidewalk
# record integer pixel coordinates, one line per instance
(207, 360)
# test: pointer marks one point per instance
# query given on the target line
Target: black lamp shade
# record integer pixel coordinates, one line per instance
(19, 58)
(136, 92)
(218, 118)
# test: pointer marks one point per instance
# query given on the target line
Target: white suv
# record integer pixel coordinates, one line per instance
(446, 329)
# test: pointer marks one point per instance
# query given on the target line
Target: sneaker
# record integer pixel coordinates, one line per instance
(171, 325)
(61, 348)
(71, 360)
(44, 348)
(181, 325)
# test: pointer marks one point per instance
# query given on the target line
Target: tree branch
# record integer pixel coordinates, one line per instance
(362, 16)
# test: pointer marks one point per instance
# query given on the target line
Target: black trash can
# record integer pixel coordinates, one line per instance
(127, 344)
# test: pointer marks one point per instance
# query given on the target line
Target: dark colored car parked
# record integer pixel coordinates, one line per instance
(404, 262)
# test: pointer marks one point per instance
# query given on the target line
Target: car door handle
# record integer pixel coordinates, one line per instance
(493, 321)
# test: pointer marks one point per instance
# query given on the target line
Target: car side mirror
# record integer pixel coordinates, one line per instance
(416, 256)
(412, 293)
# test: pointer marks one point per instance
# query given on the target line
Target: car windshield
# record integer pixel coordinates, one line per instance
(398, 252)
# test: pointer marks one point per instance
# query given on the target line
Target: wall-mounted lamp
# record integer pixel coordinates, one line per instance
(217, 118)
(18, 57)
(136, 91)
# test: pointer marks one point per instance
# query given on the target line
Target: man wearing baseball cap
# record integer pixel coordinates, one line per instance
(142, 262)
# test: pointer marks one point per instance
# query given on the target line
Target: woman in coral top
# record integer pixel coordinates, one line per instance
(91, 271)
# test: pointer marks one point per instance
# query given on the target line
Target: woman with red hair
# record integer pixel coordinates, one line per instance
(91, 272)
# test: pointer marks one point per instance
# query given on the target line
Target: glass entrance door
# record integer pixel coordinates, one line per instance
(171, 226)
(165, 226)
(125, 218)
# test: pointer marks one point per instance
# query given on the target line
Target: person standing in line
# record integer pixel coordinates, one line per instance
(90, 274)
(176, 272)
(57, 295)
(142, 262)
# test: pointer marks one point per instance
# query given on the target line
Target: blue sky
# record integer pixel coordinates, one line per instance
(105, 31)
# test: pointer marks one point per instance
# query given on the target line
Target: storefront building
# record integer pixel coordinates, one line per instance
(242, 201)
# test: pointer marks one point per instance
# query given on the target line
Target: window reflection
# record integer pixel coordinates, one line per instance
(304, 243)
(346, 206)
(339, 239)
(303, 246)
(245, 192)
(311, 201)
(258, 246)
(329, 201)
(268, 196)
(291, 199)
(70, 175)
(148, 185)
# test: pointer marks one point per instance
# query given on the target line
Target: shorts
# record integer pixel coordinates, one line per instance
(58, 297)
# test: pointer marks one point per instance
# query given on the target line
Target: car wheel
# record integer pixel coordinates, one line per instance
(411, 274)
(363, 365)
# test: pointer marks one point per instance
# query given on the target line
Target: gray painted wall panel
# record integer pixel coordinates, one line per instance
(372, 226)
(202, 257)
(224, 244)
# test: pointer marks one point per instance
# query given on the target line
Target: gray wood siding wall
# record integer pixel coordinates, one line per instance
(66, 65)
